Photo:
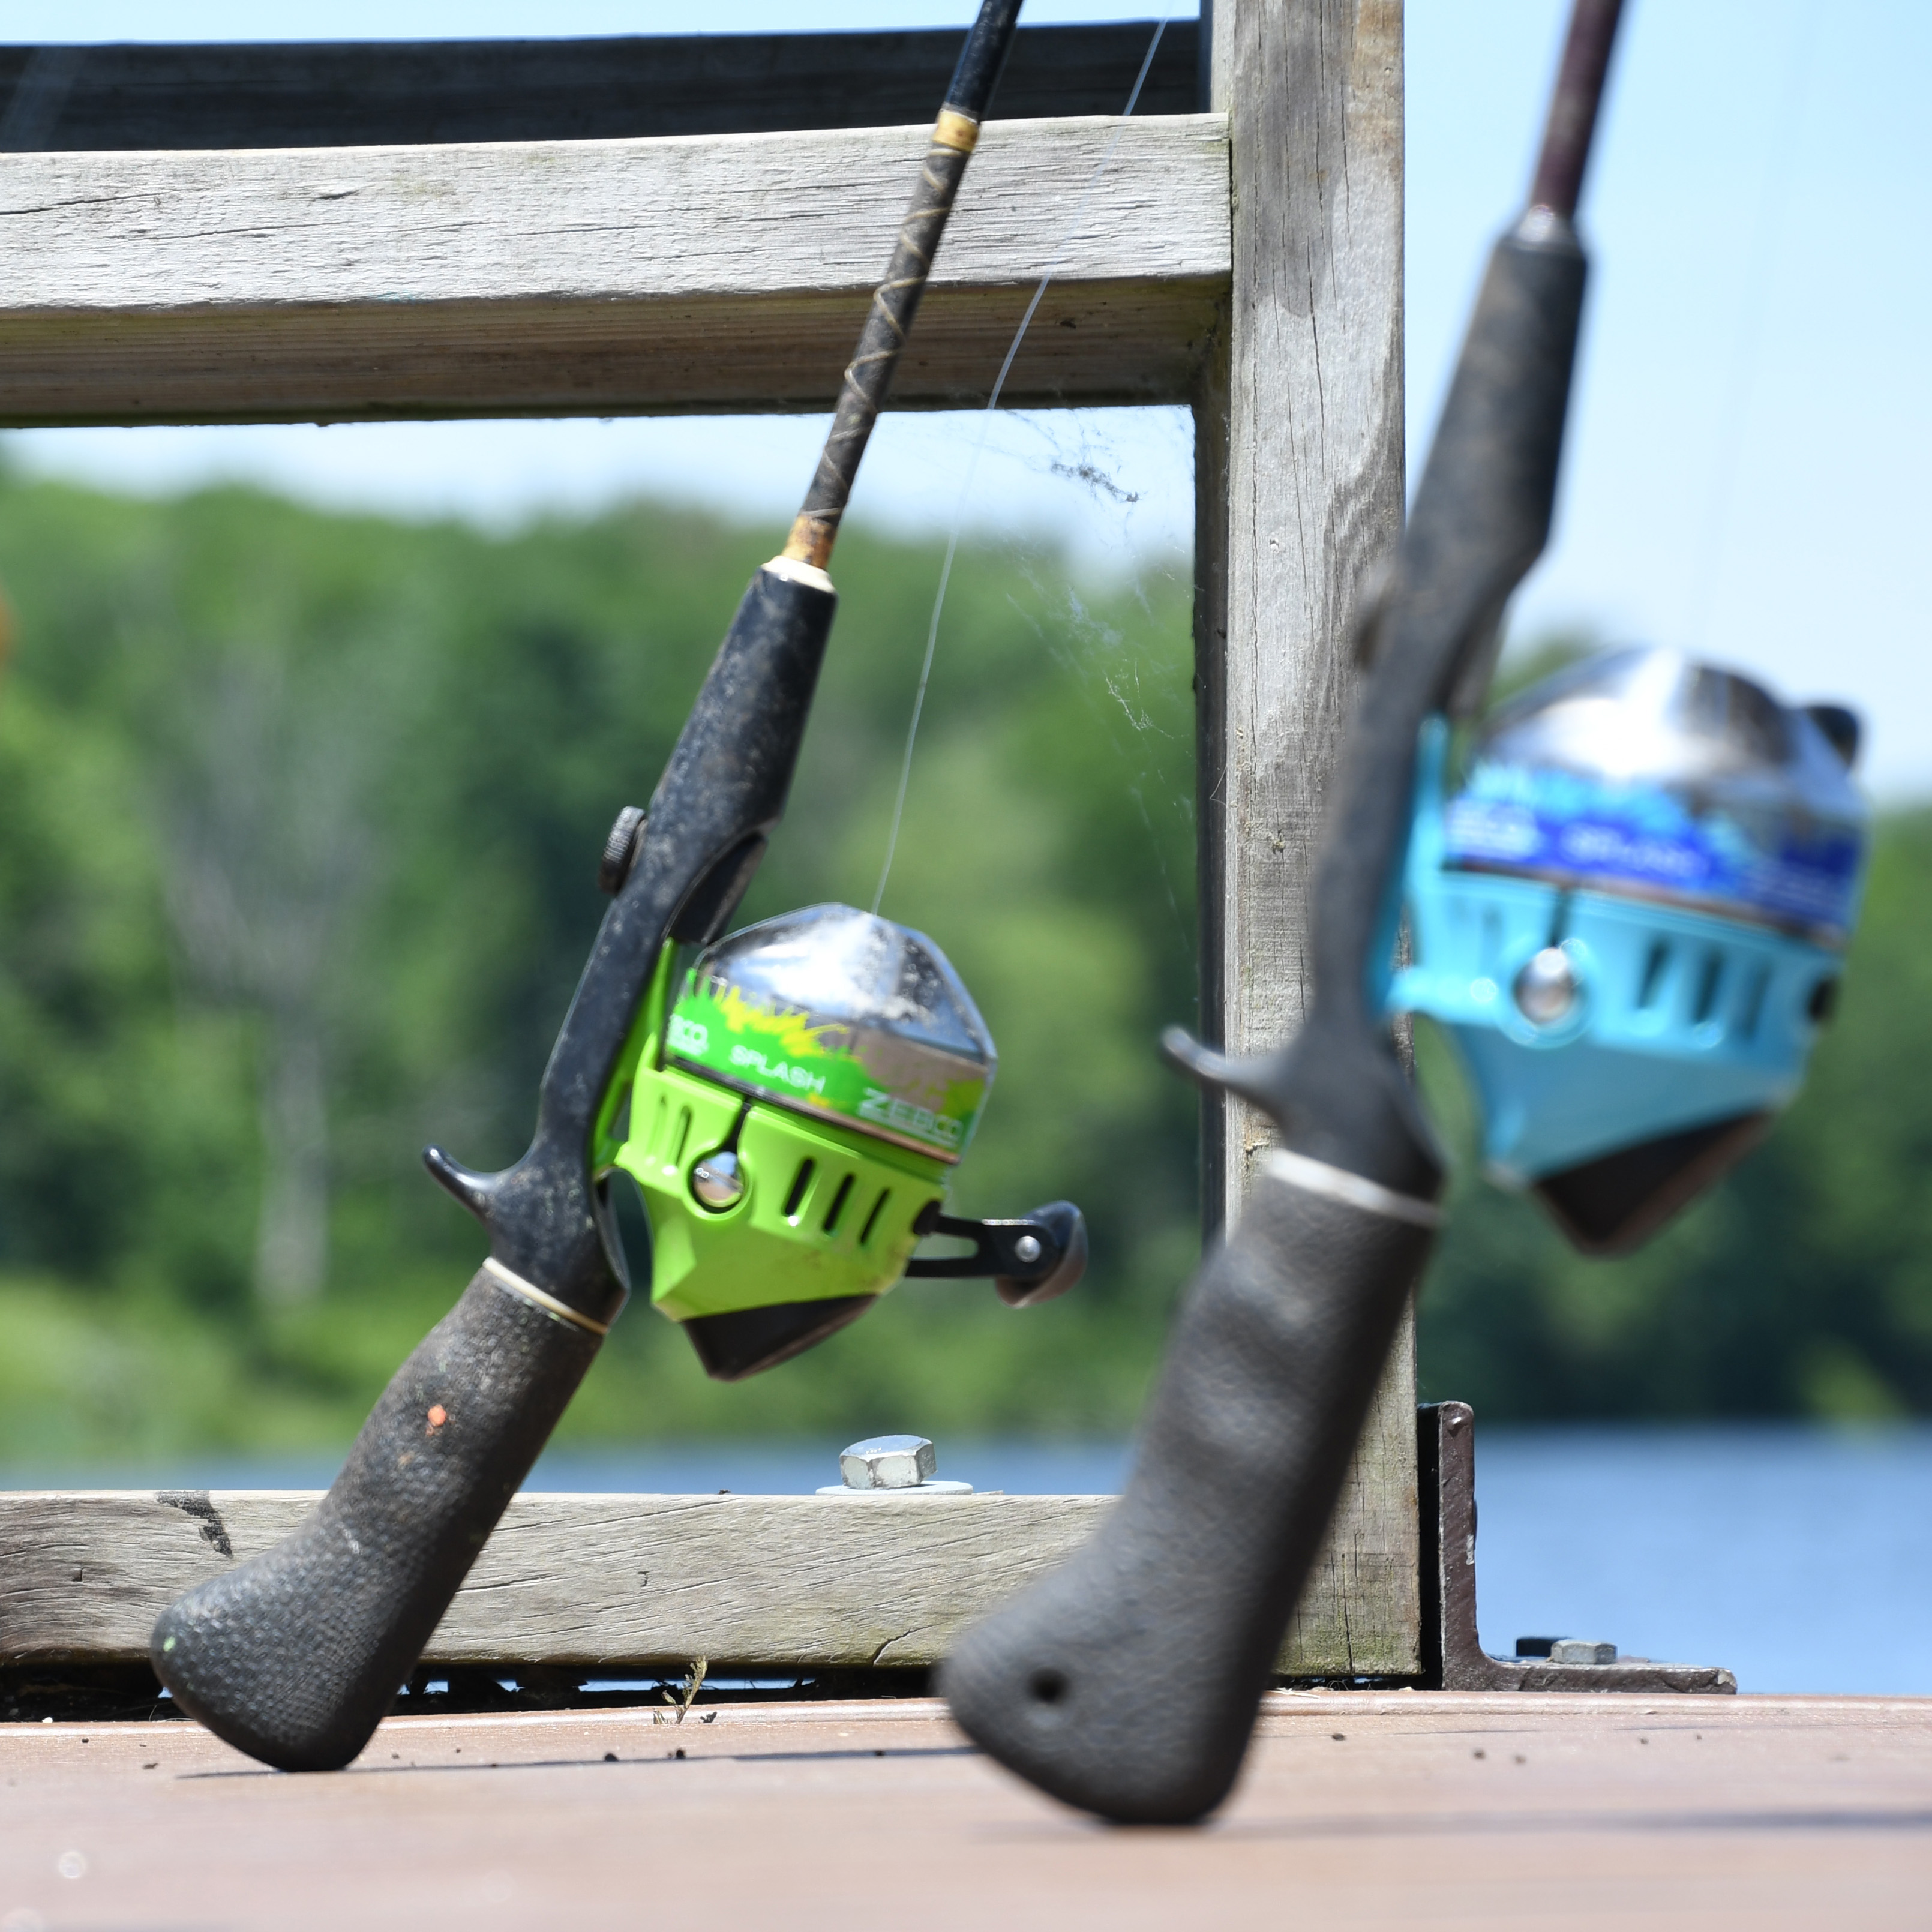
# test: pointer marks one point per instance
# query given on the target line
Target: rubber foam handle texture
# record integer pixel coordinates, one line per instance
(1126, 1683)
(295, 1655)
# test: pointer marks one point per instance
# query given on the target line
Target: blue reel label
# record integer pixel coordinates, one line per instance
(1546, 823)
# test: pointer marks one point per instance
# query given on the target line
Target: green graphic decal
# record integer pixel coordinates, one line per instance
(901, 1089)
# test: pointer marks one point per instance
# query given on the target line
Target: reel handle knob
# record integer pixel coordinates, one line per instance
(1031, 1260)
(1062, 1255)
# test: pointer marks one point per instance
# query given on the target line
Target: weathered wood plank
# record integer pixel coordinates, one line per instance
(723, 273)
(782, 1582)
(1299, 465)
(318, 94)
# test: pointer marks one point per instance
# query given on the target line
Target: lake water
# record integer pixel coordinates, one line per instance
(1800, 1558)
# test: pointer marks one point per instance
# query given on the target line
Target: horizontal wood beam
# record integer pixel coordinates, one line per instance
(725, 273)
(619, 1581)
(377, 93)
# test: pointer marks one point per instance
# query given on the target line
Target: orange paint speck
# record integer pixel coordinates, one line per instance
(438, 1416)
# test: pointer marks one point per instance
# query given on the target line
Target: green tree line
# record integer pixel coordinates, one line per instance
(299, 817)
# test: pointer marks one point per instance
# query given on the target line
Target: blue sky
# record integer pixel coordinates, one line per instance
(1746, 475)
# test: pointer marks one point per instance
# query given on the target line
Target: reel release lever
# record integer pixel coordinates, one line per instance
(1030, 1260)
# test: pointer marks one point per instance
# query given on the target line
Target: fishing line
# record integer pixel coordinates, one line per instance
(1054, 263)
(1750, 337)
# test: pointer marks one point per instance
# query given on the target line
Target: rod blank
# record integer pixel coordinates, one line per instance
(869, 375)
(1573, 107)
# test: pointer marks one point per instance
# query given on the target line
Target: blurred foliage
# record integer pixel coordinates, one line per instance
(301, 814)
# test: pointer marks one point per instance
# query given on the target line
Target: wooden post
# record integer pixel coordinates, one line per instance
(1299, 482)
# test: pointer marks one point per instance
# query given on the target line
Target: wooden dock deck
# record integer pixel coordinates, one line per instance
(1357, 1809)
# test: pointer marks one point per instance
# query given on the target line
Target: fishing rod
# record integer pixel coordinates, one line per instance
(790, 1104)
(1629, 920)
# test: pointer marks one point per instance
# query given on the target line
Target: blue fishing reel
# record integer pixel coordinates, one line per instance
(1631, 919)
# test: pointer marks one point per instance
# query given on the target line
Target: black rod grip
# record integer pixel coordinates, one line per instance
(1127, 1682)
(295, 1656)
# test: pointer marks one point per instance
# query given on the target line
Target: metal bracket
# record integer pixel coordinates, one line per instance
(1453, 1656)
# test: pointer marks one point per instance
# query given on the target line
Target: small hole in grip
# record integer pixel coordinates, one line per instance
(1047, 1687)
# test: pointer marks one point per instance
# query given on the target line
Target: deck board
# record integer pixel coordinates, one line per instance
(1454, 1810)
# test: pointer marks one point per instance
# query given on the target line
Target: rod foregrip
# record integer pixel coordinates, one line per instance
(1127, 1682)
(295, 1655)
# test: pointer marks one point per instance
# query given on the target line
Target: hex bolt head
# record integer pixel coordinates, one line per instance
(1581, 1650)
(1546, 989)
(718, 1181)
(887, 1462)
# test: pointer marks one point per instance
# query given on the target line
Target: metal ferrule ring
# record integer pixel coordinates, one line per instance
(1317, 1176)
(512, 1283)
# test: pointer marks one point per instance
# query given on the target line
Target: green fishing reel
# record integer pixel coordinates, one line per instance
(790, 1106)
